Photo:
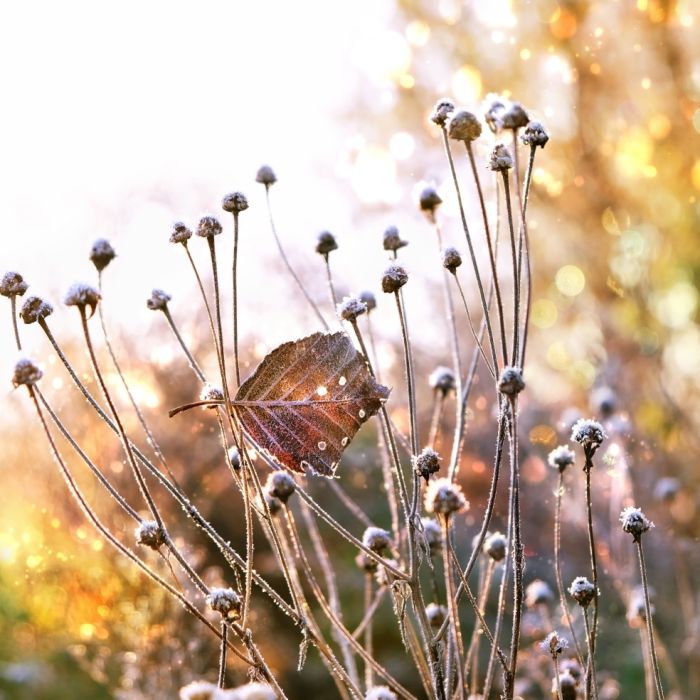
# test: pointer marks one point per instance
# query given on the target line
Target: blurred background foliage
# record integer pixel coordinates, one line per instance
(614, 226)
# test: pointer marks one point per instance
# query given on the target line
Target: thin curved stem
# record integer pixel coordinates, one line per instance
(13, 313)
(193, 363)
(222, 655)
(516, 283)
(236, 357)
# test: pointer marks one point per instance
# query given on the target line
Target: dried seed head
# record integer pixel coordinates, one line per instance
(494, 106)
(208, 227)
(83, 296)
(582, 591)
(571, 667)
(392, 239)
(429, 200)
(26, 373)
(442, 379)
(266, 175)
(326, 243)
(199, 690)
(211, 393)
(394, 278)
(451, 259)
(604, 401)
(443, 496)
(180, 234)
(12, 284)
(234, 458)
(35, 308)
(635, 522)
(433, 535)
(500, 161)
(442, 110)
(427, 463)
(463, 126)
(376, 539)
(588, 433)
(234, 202)
(538, 593)
(383, 576)
(225, 601)
(102, 253)
(274, 504)
(350, 308)
(369, 300)
(366, 563)
(437, 614)
(666, 489)
(158, 300)
(561, 457)
(511, 381)
(281, 485)
(636, 610)
(553, 644)
(535, 135)
(514, 116)
(149, 534)
(496, 545)
(567, 685)
(379, 692)
(249, 691)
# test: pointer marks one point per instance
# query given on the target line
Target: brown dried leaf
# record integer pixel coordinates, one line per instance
(307, 399)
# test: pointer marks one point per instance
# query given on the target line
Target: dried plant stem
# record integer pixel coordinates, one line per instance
(648, 671)
(370, 610)
(236, 357)
(348, 502)
(516, 283)
(410, 377)
(452, 607)
(13, 313)
(222, 655)
(649, 623)
(589, 682)
(288, 265)
(557, 568)
(471, 664)
(557, 683)
(436, 418)
(588, 465)
(329, 277)
(525, 238)
(193, 363)
(500, 612)
(368, 606)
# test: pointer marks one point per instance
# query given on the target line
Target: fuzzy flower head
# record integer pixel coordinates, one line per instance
(26, 373)
(553, 644)
(567, 684)
(208, 227)
(561, 457)
(158, 300)
(12, 284)
(211, 393)
(225, 601)
(636, 610)
(635, 522)
(234, 458)
(463, 126)
(326, 243)
(428, 201)
(273, 504)
(199, 690)
(34, 309)
(393, 279)
(496, 546)
(281, 485)
(436, 614)
(149, 534)
(511, 381)
(369, 300)
(500, 160)
(433, 535)
(442, 379)
(535, 135)
(380, 692)
(514, 116)
(249, 691)
(83, 296)
(443, 496)
(494, 106)
(180, 234)
(538, 593)
(392, 239)
(376, 539)
(427, 463)
(350, 308)
(383, 576)
(266, 176)
(102, 253)
(604, 401)
(451, 259)
(666, 489)
(234, 202)
(441, 112)
(588, 433)
(582, 591)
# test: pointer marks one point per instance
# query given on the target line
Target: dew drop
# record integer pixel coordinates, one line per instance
(362, 413)
(322, 391)
(342, 381)
(344, 441)
(321, 445)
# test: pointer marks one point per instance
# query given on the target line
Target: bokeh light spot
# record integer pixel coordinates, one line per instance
(466, 85)
(570, 280)
(544, 313)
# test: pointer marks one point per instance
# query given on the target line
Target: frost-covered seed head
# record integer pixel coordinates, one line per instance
(199, 690)
(394, 278)
(376, 539)
(666, 489)
(442, 379)
(366, 563)
(511, 381)
(500, 160)
(494, 106)
(208, 227)
(273, 503)
(636, 610)
(383, 576)
(437, 614)
(102, 253)
(234, 202)
(496, 545)
(234, 458)
(538, 593)
(451, 259)
(266, 175)
(12, 284)
(588, 433)
(561, 457)
(83, 296)
(463, 126)
(380, 692)
(392, 239)
(158, 300)
(535, 135)
(571, 667)
(225, 601)
(325, 243)
(369, 300)
(429, 200)
(553, 644)
(441, 112)
(35, 308)
(604, 401)
(180, 234)
(443, 496)
(26, 373)
(582, 591)
(433, 535)
(149, 534)
(514, 116)
(211, 393)
(635, 522)
(249, 691)
(280, 484)
(427, 463)
(350, 308)
(567, 685)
